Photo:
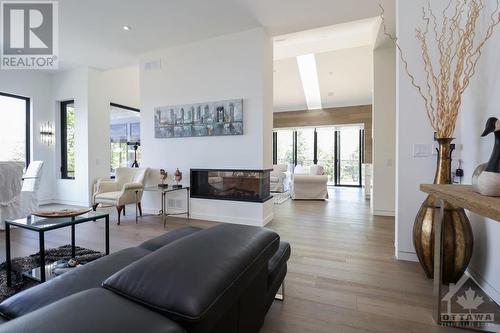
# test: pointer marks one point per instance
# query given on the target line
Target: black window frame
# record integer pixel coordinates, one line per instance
(64, 140)
(27, 100)
(336, 152)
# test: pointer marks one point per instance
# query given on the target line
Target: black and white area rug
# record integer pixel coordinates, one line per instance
(24, 264)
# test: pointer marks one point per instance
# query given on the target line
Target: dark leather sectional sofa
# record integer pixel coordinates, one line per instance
(222, 279)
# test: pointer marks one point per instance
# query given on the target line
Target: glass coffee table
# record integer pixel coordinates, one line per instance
(164, 191)
(41, 225)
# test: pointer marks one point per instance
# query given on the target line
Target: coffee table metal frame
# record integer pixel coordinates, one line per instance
(36, 224)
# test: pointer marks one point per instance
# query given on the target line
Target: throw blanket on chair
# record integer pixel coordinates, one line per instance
(11, 174)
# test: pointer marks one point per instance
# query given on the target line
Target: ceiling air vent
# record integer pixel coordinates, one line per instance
(152, 65)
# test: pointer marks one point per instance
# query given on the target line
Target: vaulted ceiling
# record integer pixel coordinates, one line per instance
(343, 55)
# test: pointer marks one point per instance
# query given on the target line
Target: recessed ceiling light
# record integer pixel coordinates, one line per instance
(127, 28)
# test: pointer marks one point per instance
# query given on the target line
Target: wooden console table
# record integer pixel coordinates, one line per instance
(460, 196)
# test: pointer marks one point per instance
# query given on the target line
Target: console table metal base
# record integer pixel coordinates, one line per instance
(164, 210)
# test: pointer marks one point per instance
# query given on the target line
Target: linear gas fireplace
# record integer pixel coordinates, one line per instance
(239, 185)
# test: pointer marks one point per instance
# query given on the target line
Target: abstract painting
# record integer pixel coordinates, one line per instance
(201, 119)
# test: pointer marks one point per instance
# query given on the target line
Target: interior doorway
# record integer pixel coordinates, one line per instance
(125, 137)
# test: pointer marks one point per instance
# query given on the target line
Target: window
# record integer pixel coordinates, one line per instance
(14, 128)
(305, 147)
(125, 136)
(284, 147)
(68, 140)
(325, 151)
(349, 156)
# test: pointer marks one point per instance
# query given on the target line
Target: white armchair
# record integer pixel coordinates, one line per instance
(125, 189)
(309, 184)
(11, 174)
(280, 178)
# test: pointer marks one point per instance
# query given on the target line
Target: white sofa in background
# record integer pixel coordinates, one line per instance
(280, 178)
(309, 183)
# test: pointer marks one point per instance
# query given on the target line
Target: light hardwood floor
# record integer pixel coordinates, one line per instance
(342, 274)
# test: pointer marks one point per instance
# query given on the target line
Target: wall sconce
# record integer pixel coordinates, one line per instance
(47, 133)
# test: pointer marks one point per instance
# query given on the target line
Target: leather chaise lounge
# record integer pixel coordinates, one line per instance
(220, 280)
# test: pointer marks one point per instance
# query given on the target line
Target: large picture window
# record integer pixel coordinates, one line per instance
(68, 140)
(14, 128)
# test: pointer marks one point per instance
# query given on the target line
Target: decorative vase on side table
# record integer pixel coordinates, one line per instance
(457, 232)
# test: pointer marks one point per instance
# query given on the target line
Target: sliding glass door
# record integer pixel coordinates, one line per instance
(348, 156)
(326, 151)
(14, 128)
(337, 149)
(284, 147)
(305, 147)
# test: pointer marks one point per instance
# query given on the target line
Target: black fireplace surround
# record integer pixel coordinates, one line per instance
(225, 184)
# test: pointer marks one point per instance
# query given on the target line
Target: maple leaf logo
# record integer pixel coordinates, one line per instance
(470, 301)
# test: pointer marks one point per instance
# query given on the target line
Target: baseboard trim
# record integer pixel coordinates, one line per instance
(233, 220)
(216, 218)
(484, 285)
(46, 201)
(406, 256)
(70, 203)
(378, 212)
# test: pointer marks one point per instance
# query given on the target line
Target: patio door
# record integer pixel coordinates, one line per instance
(348, 156)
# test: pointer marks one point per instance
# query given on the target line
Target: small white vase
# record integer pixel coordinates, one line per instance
(488, 183)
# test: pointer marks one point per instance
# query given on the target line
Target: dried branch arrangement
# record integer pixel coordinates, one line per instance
(451, 49)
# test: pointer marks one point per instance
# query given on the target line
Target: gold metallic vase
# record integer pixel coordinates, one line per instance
(458, 239)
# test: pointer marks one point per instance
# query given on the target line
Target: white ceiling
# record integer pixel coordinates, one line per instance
(344, 61)
(91, 30)
(345, 79)
(324, 39)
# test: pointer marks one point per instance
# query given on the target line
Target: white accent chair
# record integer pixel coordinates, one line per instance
(280, 178)
(125, 189)
(309, 183)
(31, 183)
(11, 174)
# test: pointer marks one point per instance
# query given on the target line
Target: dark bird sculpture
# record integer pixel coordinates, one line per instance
(493, 126)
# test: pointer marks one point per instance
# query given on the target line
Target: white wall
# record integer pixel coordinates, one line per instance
(384, 131)
(227, 67)
(73, 85)
(92, 91)
(35, 85)
(482, 101)
(122, 86)
(119, 86)
(479, 102)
